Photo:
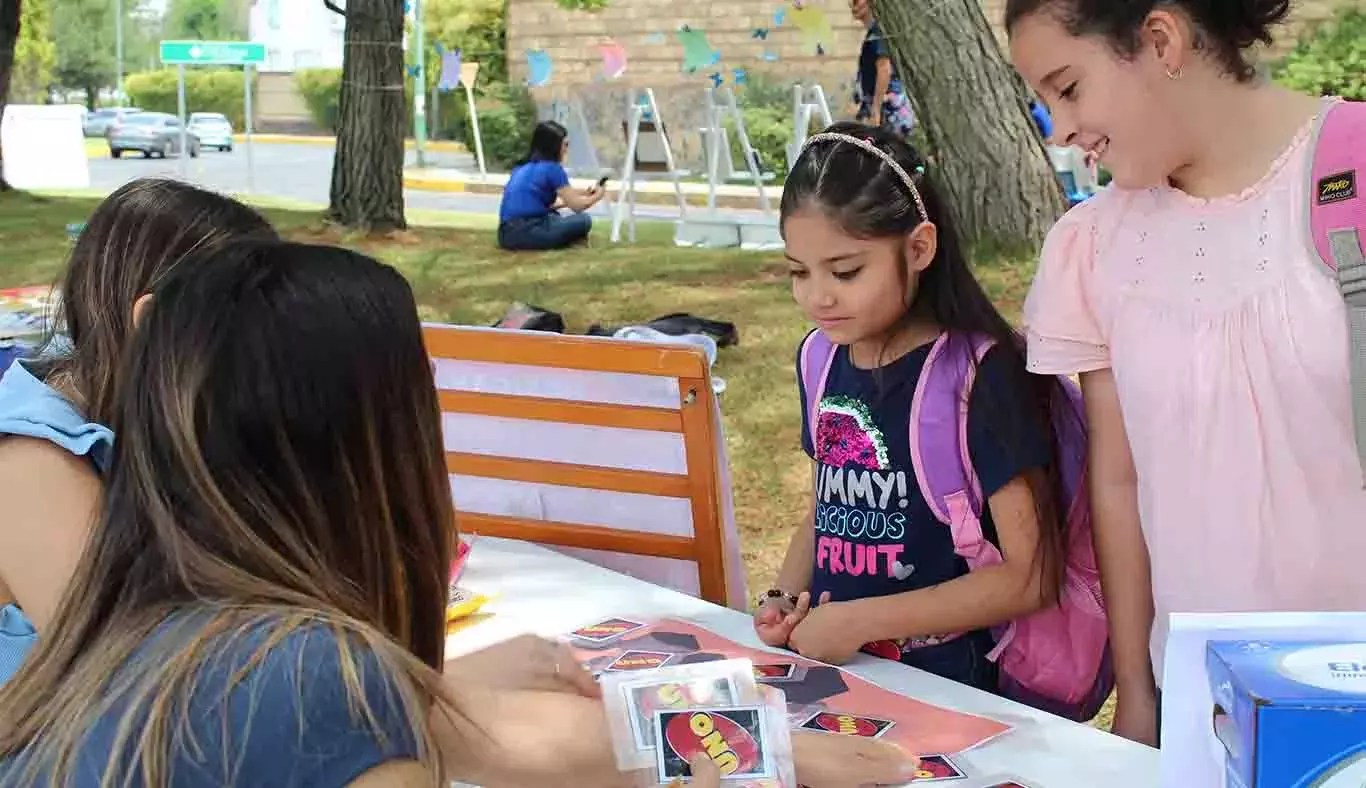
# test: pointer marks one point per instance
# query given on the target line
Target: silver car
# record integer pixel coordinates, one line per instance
(213, 129)
(101, 121)
(151, 134)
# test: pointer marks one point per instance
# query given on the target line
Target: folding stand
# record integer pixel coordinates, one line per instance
(648, 157)
(807, 103)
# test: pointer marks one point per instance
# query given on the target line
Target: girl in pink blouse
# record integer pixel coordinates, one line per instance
(1211, 342)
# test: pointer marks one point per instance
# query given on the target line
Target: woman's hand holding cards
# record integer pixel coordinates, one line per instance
(825, 634)
(775, 619)
(525, 662)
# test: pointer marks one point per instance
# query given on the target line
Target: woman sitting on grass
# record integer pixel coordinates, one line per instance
(529, 217)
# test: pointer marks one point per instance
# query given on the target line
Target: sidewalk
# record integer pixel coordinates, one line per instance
(651, 192)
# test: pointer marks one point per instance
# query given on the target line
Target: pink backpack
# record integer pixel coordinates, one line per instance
(1057, 659)
(1337, 225)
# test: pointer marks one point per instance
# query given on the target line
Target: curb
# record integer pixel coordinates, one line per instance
(441, 146)
(451, 186)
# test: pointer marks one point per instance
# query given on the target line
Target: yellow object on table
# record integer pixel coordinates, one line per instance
(463, 603)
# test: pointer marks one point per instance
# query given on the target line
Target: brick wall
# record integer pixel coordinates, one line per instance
(646, 27)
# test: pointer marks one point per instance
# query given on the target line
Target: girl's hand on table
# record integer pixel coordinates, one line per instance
(775, 619)
(825, 760)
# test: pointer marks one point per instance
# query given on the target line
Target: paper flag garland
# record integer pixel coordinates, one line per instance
(779, 17)
(613, 59)
(740, 76)
(760, 33)
(716, 80)
(768, 57)
(539, 68)
(450, 69)
(697, 53)
(815, 27)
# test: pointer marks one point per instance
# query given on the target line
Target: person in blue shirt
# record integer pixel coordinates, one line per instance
(529, 217)
(1042, 120)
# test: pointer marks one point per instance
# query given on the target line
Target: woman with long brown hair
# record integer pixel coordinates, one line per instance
(54, 441)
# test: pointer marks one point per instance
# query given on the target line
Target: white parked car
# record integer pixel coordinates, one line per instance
(213, 129)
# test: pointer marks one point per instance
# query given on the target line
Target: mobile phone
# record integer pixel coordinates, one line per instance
(602, 181)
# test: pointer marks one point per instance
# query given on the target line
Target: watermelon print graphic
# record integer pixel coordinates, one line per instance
(846, 435)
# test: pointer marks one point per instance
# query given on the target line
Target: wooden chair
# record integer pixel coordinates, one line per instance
(605, 449)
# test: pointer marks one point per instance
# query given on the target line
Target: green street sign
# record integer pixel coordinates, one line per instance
(212, 53)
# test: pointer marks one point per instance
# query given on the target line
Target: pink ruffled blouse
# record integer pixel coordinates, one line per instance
(1228, 342)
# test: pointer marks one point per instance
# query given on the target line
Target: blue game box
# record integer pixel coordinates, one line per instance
(1290, 715)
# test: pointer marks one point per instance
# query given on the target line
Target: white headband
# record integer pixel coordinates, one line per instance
(867, 145)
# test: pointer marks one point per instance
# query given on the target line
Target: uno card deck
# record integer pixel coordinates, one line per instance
(937, 769)
(847, 724)
(734, 737)
(629, 661)
(649, 697)
(605, 632)
(633, 697)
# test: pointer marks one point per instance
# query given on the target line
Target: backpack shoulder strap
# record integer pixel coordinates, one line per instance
(817, 356)
(1337, 230)
(938, 430)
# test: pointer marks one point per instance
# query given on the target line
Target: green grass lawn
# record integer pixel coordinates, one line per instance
(459, 276)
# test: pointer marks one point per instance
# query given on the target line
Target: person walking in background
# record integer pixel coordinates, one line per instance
(878, 93)
(529, 217)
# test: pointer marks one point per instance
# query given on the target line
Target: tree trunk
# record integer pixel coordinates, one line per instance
(9, 41)
(367, 169)
(970, 104)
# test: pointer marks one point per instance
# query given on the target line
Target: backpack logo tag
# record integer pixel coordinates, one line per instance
(1336, 188)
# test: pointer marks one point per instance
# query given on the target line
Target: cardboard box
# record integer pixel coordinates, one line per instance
(1290, 715)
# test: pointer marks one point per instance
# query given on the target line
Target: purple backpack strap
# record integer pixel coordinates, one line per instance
(818, 354)
(939, 443)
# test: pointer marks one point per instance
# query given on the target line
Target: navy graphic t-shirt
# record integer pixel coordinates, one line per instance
(875, 532)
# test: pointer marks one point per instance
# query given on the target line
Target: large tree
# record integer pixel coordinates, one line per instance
(972, 108)
(367, 169)
(35, 55)
(205, 20)
(84, 33)
(10, 27)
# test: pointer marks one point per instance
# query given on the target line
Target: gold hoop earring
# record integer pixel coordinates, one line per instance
(1173, 75)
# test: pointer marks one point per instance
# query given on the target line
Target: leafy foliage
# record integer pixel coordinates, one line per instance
(1331, 60)
(205, 20)
(321, 91)
(35, 55)
(205, 91)
(83, 31)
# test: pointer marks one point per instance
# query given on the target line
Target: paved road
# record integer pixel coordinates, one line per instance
(297, 172)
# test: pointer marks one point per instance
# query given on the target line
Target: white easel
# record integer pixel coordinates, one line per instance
(468, 73)
(721, 104)
(807, 102)
(647, 153)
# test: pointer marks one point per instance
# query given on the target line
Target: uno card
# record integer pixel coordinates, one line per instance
(734, 737)
(606, 631)
(639, 660)
(645, 698)
(937, 768)
(774, 671)
(1009, 783)
(847, 724)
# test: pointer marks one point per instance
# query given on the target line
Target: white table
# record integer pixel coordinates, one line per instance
(542, 592)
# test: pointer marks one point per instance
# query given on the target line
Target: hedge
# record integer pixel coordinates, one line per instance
(205, 91)
(1330, 61)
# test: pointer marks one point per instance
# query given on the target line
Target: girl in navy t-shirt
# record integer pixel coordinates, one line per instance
(875, 264)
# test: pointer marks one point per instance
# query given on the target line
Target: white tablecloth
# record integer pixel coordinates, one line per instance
(540, 591)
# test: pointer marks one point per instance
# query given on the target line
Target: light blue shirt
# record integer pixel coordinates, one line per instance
(30, 408)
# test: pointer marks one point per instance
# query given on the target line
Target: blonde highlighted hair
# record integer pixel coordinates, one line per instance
(278, 468)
